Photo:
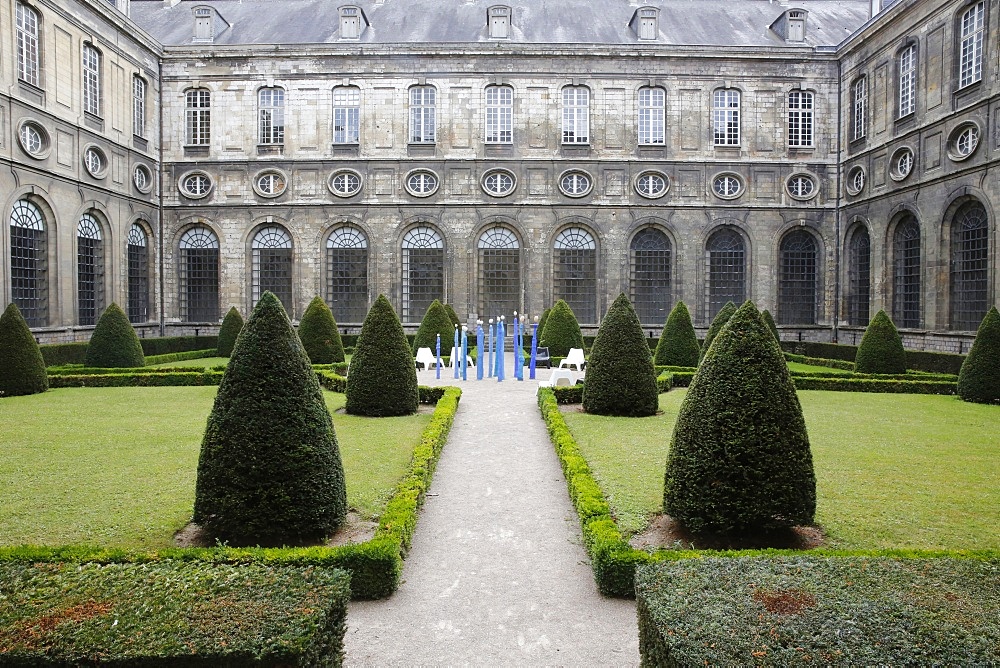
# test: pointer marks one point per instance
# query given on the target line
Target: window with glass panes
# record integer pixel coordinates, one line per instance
(800, 118)
(859, 125)
(27, 44)
(726, 117)
(197, 117)
(574, 275)
(798, 279)
(346, 115)
(649, 276)
(29, 263)
(138, 107)
(271, 265)
(725, 260)
(271, 115)
(859, 278)
(89, 270)
(576, 115)
(347, 273)
(137, 257)
(651, 116)
(970, 55)
(907, 72)
(499, 272)
(499, 115)
(423, 271)
(198, 272)
(91, 80)
(906, 273)
(422, 114)
(970, 247)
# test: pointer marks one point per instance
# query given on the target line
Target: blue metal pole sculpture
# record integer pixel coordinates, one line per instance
(489, 364)
(438, 367)
(465, 352)
(518, 366)
(454, 354)
(501, 333)
(534, 348)
(479, 350)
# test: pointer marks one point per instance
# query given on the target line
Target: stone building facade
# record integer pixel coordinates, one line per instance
(507, 156)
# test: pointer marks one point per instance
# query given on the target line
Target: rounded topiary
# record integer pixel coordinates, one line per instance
(114, 342)
(881, 349)
(678, 344)
(270, 471)
(319, 335)
(620, 375)
(721, 318)
(383, 377)
(979, 378)
(739, 459)
(436, 321)
(452, 316)
(769, 321)
(562, 331)
(22, 368)
(230, 330)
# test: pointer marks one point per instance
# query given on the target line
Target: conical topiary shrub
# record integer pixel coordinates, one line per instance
(541, 324)
(769, 321)
(562, 331)
(720, 320)
(979, 379)
(319, 335)
(678, 344)
(383, 377)
(22, 368)
(740, 460)
(270, 470)
(620, 375)
(436, 321)
(452, 316)
(881, 349)
(230, 330)
(114, 343)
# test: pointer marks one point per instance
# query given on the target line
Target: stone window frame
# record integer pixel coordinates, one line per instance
(498, 114)
(271, 128)
(727, 193)
(901, 163)
(345, 174)
(964, 140)
(147, 187)
(497, 175)
(498, 21)
(185, 180)
(648, 193)
(725, 116)
(575, 115)
(27, 126)
(651, 121)
(859, 108)
(423, 190)
(346, 114)
(577, 176)
(138, 106)
(95, 161)
(906, 79)
(857, 178)
(197, 116)
(91, 264)
(277, 180)
(90, 73)
(28, 40)
(423, 100)
(970, 44)
(801, 119)
(800, 176)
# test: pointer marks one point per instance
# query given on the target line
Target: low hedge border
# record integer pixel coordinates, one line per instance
(573, 394)
(137, 379)
(179, 357)
(870, 384)
(921, 360)
(914, 375)
(172, 613)
(820, 361)
(56, 354)
(375, 565)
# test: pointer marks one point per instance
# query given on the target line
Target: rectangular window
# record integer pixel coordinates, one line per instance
(346, 115)
(971, 56)
(422, 107)
(499, 115)
(647, 23)
(860, 108)
(271, 115)
(907, 80)
(198, 116)
(91, 80)
(350, 23)
(800, 119)
(726, 117)
(27, 45)
(138, 107)
(576, 115)
(651, 123)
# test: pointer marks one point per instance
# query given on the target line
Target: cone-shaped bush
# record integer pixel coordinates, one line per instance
(541, 324)
(881, 349)
(678, 344)
(562, 331)
(22, 369)
(319, 335)
(620, 375)
(230, 330)
(721, 318)
(114, 342)
(270, 470)
(436, 321)
(769, 321)
(979, 379)
(383, 377)
(452, 316)
(740, 460)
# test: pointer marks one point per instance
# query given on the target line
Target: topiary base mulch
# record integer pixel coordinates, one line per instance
(665, 532)
(354, 530)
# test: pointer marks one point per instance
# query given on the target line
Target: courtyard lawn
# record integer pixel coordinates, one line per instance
(117, 466)
(811, 368)
(893, 470)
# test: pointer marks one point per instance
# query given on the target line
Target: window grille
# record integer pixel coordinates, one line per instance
(271, 108)
(969, 267)
(649, 276)
(29, 263)
(271, 267)
(651, 185)
(89, 270)
(575, 184)
(345, 183)
(907, 80)
(27, 45)
(31, 139)
(576, 115)
(798, 281)
(347, 274)
(270, 184)
(971, 45)
(800, 119)
(198, 117)
(91, 80)
(423, 271)
(860, 105)
(499, 272)
(199, 275)
(421, 183)
(859, 278)
(726, 263)
(499, 114)
(575, 272)
(651, 116)
(726, 117)
(801, 186)
(346, 115)
(137, 253)
(422, 118)
(138, 107)
(498, 182)
(727, 186)
(906, 273)
(196, 185)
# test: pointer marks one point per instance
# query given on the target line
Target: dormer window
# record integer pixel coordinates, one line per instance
(647, 23)
(204, 31)
(499, 22)
(796, 25)
(350, 23)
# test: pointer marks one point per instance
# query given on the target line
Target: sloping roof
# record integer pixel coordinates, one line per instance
(724, 23)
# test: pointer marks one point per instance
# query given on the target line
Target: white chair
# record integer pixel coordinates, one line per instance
(574, 358)
(558, 378)
(426, 357)
(455, 352)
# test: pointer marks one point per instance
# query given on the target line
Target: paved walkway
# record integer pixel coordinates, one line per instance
(497, 573)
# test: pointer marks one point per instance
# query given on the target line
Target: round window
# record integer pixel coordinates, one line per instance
(195, 185)
(33, 139)
(142, 178)
(575, 184)
(345, 183)
(421, 183)
(651, 185)
(269, 183)
(855, 180)
(727, 186)
(95, 162)
(963, 141)
(801, 186)
(499, 182)
(902, 164)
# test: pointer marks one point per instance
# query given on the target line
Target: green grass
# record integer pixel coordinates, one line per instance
(117, 466)
(811, 368)
(893, 470)
(207, 362)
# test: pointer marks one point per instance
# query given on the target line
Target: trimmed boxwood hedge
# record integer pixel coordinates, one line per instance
(769, 321)
(979, 379)
(75, 353)
(721, 318)
(881, 349)
(847, 384)
(807, 610)
(819, 361)
(918, 360)
(383, 381)
(172, 613)
(114, 342)
(436, 321)
(232, 325)
(562, 331)
(319, 334)
(678, 343)
(22, 369)
(574, 393)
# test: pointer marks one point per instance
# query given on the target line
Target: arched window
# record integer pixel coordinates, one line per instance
(423, 271)
(798, 279)
(271, 265)
(859, 277)
(726, 263)
(575, 272)
(29, 263)
(969, 266)
(649, 276)
(906, 273)
(89, 269)
(199, 275)
(499, 272)
(347, 273)
(137, 256)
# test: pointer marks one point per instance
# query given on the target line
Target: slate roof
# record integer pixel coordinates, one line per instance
(723, 23)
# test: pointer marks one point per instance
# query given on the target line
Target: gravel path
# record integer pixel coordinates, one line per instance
(497, 573)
